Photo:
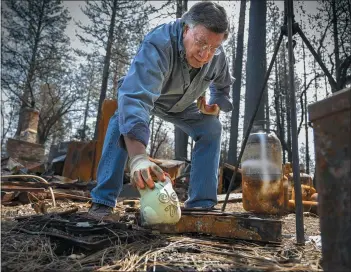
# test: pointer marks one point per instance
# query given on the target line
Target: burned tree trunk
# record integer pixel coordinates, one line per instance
(336, 43)
(180, 137)
(237, 73)
(256, 61)
(305, 111)
(107, 59)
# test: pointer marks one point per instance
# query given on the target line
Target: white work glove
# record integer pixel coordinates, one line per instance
(142, 171)
(207, 109)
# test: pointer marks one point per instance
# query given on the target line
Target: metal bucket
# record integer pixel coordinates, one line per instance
(332, 138)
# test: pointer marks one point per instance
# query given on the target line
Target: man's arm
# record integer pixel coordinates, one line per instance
(207, 109)
(221, 86)
(142, 169)
(136, 96)
(134, 147)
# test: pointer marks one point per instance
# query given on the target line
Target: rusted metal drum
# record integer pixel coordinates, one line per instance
(262, 175)
(331, 119)
(305, 179)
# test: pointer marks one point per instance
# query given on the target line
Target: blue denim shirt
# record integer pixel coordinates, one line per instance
(158, 80)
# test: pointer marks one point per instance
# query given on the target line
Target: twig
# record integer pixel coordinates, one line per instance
(154, 268)
(38, 178)
(145, 265)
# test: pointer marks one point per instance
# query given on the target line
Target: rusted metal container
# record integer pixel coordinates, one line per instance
(305, 179)
(262, 175)
(332, 139)
(79, 161)
(109, 107)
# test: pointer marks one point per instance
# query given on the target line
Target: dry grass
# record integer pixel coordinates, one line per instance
(23, 252)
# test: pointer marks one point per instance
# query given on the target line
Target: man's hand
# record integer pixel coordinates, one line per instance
(207, 109)
(142, 171)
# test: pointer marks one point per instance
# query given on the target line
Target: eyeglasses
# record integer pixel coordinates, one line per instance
(205, 47)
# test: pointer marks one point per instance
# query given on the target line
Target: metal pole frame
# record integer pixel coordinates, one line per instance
(289, 20)
(300, 239)
(248, 130)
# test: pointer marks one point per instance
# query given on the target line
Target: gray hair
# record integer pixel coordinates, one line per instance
(210, 15)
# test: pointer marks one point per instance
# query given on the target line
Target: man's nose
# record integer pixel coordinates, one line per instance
(204, 54)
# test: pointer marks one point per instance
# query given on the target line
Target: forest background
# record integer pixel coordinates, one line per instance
(64, 58)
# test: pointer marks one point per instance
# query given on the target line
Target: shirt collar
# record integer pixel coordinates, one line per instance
(181, 48)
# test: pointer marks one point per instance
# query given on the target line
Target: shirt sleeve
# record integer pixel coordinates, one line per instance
(220, 88)
(139, 90)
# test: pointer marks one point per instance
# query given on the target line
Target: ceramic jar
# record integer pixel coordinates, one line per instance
(159, 205)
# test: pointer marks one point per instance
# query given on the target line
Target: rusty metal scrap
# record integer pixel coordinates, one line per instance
(230, 225)
(172, 167)
(80, 161)
(308, 206)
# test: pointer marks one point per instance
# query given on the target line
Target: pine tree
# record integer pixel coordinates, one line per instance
(34, 47)
(117, 27)
(57, 99)
(89, 78)
(333, 40)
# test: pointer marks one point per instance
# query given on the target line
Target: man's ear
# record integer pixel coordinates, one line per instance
(186, 28)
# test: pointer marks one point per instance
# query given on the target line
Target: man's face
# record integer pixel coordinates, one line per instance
(200, 44)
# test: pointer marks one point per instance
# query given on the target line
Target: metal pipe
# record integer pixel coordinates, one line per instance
(300, 239)
(248, 130)
(331, 80)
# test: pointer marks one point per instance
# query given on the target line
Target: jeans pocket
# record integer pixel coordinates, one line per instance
(190, 113)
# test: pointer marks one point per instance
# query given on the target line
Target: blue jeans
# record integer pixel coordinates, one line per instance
(204, 129)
